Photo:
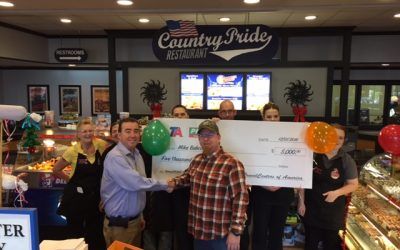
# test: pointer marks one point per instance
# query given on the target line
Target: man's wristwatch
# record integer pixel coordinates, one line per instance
(236, 234)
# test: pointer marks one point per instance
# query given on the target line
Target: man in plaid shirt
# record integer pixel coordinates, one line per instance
(218, 193)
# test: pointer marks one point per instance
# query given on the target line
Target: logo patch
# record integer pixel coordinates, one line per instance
(176, 131)
(335, 174)
(193, 132)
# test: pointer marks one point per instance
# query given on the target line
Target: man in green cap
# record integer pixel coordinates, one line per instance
(218, 193)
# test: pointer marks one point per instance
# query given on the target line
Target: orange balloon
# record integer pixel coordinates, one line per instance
(321, 137)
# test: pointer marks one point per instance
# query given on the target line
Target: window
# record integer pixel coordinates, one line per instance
(371, 104)
(335, 111)
(394, 94)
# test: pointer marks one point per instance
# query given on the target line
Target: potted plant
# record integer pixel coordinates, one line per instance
(298, 93)
(153, 94)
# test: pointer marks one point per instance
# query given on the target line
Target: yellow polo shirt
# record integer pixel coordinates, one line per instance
(71, 154)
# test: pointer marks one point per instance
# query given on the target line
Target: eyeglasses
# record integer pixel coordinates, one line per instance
(227, 112)
(207, 135)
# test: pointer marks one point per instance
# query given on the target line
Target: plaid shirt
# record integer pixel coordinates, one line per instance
(218, 195)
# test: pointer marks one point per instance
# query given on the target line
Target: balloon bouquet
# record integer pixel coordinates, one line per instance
(389, 140)
(155, 138)
(321, 137)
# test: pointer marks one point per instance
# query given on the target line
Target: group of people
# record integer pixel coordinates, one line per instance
(208, 206)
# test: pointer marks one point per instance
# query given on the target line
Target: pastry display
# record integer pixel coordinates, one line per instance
(47, 166)
(377, 205)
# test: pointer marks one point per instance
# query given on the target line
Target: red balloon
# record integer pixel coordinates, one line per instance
(389, 139)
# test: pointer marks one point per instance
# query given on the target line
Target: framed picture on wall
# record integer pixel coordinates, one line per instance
(70, 99)
(38, 98)
(100, 99)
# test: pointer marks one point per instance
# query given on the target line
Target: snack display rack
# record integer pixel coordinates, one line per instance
(374, 214)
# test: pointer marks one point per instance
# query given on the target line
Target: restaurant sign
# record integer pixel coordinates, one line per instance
(184, 42)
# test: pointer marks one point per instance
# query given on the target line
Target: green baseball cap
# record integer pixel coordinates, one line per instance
(209, 125)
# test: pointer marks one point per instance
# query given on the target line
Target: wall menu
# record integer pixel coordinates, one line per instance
(258, 90)
(224, 86)
(192, 90)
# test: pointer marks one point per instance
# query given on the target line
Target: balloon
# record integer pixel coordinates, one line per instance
(321, 137)
(389, 139)
(155, 138)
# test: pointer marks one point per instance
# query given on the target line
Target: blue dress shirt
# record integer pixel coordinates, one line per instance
(124, 183)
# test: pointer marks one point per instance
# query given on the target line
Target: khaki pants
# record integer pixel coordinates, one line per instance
(130, 235)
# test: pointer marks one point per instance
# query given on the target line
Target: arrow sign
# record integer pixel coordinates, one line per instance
(79, 58)
(77, 55)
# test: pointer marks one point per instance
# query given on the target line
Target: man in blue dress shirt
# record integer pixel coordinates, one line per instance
(124, 185)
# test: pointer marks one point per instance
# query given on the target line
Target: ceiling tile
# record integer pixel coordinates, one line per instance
(236, 18)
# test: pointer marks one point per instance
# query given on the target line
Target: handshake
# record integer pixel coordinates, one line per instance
(171, 185)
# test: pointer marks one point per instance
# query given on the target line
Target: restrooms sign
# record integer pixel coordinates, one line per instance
(184, 42)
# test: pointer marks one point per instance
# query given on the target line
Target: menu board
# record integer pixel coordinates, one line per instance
(224, 86)
(192, 87)
(258, 90)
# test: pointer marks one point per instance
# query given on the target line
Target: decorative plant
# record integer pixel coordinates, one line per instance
(297, 94)
(153, 94)
(31, 125)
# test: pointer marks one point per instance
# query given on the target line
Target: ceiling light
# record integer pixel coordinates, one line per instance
(125, 2)
(224, 19)
(397, 15)
(385, 64)
(310, 17)
(144, 20)
(6, 4)
(71, 65)
(251, 1)
(65, 20)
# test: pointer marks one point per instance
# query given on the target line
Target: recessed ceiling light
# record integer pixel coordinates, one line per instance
(125, 2)
(144, 20)
(310, 17)
(6, 4)
(224, 19)
(65, 20)
(385, 64)
(71, 65)
(251, 1)
(397, 15)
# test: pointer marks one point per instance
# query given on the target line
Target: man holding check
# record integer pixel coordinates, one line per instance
(218, 193)
(124, 185)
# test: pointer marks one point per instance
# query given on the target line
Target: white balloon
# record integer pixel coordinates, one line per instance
(12, 112)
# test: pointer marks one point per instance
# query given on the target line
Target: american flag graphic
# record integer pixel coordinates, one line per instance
(182, 28)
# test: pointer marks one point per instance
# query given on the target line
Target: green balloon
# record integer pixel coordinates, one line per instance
(155, 138)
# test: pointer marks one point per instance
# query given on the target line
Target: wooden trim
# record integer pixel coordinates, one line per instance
(19, 28)
(112, 78)
(125, 89)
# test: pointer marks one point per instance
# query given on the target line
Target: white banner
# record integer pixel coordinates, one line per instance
(273, 153)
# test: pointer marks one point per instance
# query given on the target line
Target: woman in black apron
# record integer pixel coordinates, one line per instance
(81, 197)
(323, 206)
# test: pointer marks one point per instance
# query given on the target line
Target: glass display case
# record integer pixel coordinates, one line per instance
(45, 188)
(373, 220)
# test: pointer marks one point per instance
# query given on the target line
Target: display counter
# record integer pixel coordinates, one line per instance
(374, 214)
(45, 189)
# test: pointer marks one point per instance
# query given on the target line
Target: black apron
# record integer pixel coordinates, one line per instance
(82, 192)
(319, 213)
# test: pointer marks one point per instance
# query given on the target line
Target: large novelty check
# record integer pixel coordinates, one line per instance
(273, 153)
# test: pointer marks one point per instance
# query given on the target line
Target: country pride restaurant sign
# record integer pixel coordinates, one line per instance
(184, 42)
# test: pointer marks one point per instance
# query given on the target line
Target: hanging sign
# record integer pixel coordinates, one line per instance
(184, 42)
(71, 55)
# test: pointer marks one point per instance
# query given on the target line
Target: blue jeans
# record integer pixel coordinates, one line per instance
(217, 244)
(157, 241)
